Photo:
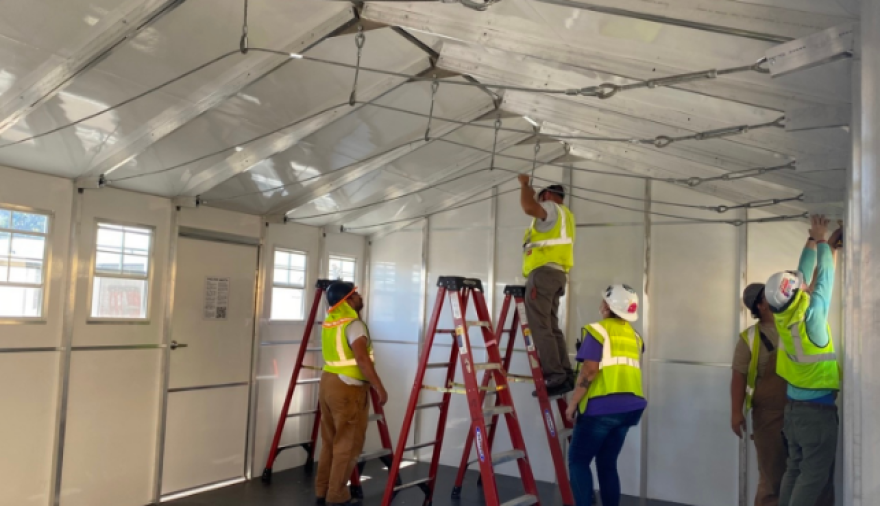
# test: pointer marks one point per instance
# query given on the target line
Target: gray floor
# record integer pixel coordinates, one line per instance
(295, 488)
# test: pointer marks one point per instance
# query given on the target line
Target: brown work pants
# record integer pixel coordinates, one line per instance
(544, 288)
(768, 418)
(344, 417)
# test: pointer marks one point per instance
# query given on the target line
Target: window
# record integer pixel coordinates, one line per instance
(120, 289)
(342, 268)
(23, 246)
(288, 285)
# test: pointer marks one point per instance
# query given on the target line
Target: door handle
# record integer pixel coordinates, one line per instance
(175, 345)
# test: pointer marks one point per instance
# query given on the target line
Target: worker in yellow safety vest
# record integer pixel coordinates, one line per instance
(608, 399)
(344, 392)
(808, 362)
(548, 255)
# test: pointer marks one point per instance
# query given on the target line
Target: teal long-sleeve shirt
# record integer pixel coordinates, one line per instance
(820, 303)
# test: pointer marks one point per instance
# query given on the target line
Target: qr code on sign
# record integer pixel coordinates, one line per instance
(221, 312)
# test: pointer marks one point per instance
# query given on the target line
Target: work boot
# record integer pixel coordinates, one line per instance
(557, 389)
(320, 501)
(352, 502)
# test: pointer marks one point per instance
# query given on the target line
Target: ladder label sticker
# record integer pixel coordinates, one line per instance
(521, 309)
(550, 425)
(534, 363)
(456, 308)
(459, 339)
(479, 439)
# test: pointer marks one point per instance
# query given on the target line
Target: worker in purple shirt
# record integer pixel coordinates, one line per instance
(608, 397)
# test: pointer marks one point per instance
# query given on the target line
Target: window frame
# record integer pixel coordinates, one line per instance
(345, 258)
(93, 274)
(273, 285)
(47, 265)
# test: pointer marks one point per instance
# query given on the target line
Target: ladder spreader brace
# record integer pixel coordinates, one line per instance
(460, 291)
(310, 445)
(519, 322)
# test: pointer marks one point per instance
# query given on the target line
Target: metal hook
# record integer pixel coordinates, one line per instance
(434, 87)
(359, 40)
(607, 90)
(243, 43)
(662, 141)
(537, 150)
(495, 142)
(759, 66)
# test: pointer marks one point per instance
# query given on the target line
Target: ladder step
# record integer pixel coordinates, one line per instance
(444, 331)
(302, 413)
(420, 445)
(497, 410)
(526, 500)
(517, 378)
(502, 458)
(479, 324)
(313, 368)
(310, 381)
(375, 417)
(438, 365)
(314, 349)
(430, 405)
(384, 452)
(414, 484)
(487, 366)
(295, 445)
(565, 433)
(556, 397)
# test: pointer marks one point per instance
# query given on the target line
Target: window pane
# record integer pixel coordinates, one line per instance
(282, 259)
(5, 239)
(109, 240)
(30, 222)
(281, 277)
(25, 271)
(138, 244)
(119, 298)
(4, 269)
(28, 246)
(135, 265)
(20, 302)
(108, 263)
(298, 278)
(287, 304)
(298, 261)
(5, 218)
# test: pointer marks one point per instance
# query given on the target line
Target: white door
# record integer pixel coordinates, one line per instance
(213, 331)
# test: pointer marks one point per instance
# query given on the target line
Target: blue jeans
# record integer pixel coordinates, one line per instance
(600, 438)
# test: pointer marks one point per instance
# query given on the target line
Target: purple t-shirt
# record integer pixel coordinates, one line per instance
(612, 404)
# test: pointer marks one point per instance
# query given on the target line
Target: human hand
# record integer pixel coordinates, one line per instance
(738, 424)
(819, 227)
(523, 179)
(383, 395)
(835, 241)
(571, 411)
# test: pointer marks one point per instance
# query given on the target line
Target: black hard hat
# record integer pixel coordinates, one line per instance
(752, 295)
(339, 291)
(553, 188)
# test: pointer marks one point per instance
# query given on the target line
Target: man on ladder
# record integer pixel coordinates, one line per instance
(344, 392)
(548, 255)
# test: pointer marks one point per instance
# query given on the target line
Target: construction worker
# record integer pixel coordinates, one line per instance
(344, 392)
(808, 362)
(548, 255)
(608, 399)
(755, 386)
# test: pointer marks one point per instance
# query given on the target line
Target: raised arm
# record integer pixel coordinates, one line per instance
(527, 199)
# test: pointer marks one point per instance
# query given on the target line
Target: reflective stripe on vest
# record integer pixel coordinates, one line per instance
(752, 337)
(799, 355)
(340, 347)
(608, 359)
(563, 232)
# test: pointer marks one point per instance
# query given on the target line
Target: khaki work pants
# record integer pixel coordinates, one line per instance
(544, 288)
(344, 417)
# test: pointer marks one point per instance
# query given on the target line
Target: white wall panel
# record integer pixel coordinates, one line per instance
(30, 382)
(54, 195)
(111, 428)
(220, 220)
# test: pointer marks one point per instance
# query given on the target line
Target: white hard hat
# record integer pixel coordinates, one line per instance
(624, 301)
(781, 288)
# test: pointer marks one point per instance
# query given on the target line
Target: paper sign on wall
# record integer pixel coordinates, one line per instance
(216, 298)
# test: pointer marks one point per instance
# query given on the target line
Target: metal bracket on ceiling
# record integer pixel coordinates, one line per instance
(90, 182)
(188, 202)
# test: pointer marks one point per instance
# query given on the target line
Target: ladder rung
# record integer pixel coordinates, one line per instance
(375, 417)
(295, 445)
(438, 365)
(555, 397)
(413, 484)
(526, 500)
(310, 381)
(444, 331)
(487, 365)
(420, 445)
(302, 413)
(314, 349)
(502, 458)
(313, 368)
(429, 405)
(479, 324)
(384, 452)
(518, 378)
(496, 388)
(497, 410)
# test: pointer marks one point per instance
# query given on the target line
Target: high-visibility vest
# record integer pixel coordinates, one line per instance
(338, 356)
(620, 370)
(555, 246)
(752, 337)
(800, 362)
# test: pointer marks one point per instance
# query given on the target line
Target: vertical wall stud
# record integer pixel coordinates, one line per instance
(493, 249)
(649, 338)
(423, 316)
(743, 320)
(259, 309)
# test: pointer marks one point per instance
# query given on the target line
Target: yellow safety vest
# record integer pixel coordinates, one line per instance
(800, 362)
(752, 337)
(620, 370)
(555, 246)
(338, 356)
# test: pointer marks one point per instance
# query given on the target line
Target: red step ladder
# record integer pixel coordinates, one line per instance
(310, 445)
(460, 291)
(516, 295)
